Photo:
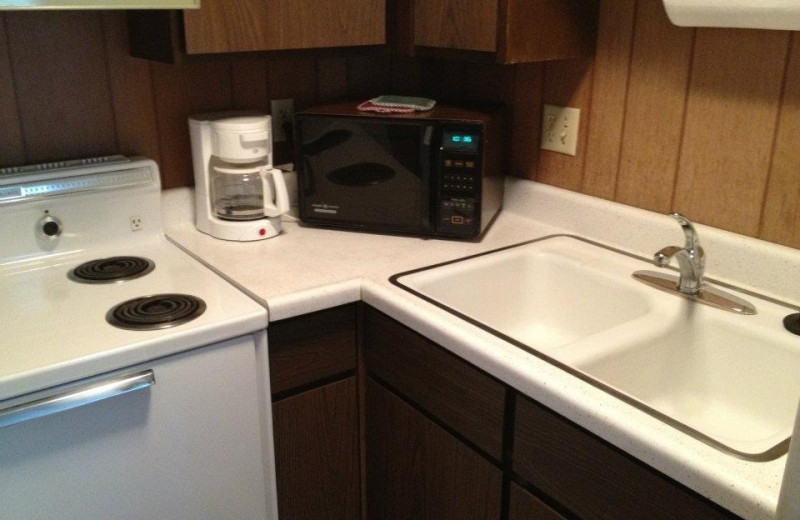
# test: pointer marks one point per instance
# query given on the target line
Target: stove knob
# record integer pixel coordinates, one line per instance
(48, 228)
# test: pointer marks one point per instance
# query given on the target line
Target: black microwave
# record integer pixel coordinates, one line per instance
(437, 173)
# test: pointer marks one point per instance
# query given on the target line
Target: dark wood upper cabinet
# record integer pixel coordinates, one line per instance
(256, 25)
(506, 31)
(226, 26)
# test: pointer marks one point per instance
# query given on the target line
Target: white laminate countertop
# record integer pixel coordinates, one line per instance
(307, 269)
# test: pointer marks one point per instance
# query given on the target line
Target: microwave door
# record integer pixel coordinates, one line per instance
(364, 173)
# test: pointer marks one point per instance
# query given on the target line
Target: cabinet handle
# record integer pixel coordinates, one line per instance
(74, 398)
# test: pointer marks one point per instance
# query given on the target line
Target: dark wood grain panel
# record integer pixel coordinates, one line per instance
(291, 76)
(317, 454)
(311, 347)
(181, 91)
(567, 83)
(732, 112)
(443, 80)
(331, 78)
(406, 76)
(12, 148)
(781, 220)
(488, 83)
(400, 27)
(368, 76)
(417, 470)
(61, 84)
(593, 479)
(254, 25)
(655, 110)
(249, 84)
(131, 92)
(609, 91)
(456, 24)
(447, 387)
(527, 120)
(525, 506)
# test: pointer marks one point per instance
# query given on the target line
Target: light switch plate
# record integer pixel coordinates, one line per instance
(282, 117)
(560, 129)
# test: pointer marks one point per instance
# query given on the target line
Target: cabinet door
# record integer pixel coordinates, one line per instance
(416, 470)
(259, 25)
(456, 24)
(525, 506)
(317, 453)
(514, 31)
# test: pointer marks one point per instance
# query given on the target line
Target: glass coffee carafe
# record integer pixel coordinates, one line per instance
(246, 192)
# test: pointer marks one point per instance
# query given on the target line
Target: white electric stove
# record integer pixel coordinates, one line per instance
(92, 293)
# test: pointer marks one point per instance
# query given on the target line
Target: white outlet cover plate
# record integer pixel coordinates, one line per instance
(560, 129)
(282, 110)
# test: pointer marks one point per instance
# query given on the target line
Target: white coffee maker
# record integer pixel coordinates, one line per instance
(238, 194)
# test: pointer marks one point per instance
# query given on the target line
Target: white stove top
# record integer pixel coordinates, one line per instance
(54, 330)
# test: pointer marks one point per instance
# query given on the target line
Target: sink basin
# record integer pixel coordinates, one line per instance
(729, 380)
(545, 294)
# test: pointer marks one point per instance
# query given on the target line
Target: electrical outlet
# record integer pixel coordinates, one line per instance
(282, 117)
(136, 223)
(560, 129)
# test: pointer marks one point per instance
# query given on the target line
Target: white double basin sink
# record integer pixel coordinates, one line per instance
(730, 380)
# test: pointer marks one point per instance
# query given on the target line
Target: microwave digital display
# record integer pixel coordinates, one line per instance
(460, 141)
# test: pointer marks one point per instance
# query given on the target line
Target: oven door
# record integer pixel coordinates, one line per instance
(365, 173)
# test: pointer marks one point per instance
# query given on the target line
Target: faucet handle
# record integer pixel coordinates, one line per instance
(692, 240)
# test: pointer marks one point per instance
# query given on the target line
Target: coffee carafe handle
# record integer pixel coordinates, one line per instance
(279, 204)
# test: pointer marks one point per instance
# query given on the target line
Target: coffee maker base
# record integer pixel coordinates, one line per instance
(260, 229)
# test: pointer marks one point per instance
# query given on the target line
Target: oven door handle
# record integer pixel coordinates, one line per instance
(76, 397)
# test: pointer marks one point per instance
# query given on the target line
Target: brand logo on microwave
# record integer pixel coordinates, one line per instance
(325, 208)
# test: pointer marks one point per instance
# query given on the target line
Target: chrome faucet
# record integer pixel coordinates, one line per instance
(691, 258)
(692, 266)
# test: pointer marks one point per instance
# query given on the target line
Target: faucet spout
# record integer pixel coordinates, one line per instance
(691, 258)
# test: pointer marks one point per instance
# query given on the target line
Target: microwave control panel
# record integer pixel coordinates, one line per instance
(459, 182)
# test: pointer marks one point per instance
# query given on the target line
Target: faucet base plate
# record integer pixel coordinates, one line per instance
(706, 295)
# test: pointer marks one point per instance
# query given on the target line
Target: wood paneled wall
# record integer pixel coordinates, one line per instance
(705, 122)
(701, 121)
(68, 89)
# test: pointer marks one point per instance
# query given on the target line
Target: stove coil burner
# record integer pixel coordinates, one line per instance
(159, 311)
(114, 269)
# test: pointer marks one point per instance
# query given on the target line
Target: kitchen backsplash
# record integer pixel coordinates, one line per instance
(706, 122)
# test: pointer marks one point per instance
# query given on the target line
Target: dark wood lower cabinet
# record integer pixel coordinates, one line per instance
(315, 410)
(418, 471)
(525, 506)
(317, 453)
(592, 478)
(441, 439)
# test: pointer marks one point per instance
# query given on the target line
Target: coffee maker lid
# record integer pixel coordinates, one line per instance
(244, 169)
(240, 124)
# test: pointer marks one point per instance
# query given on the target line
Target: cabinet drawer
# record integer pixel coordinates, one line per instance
(592, 478)
(309, 348)
(453, 391)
